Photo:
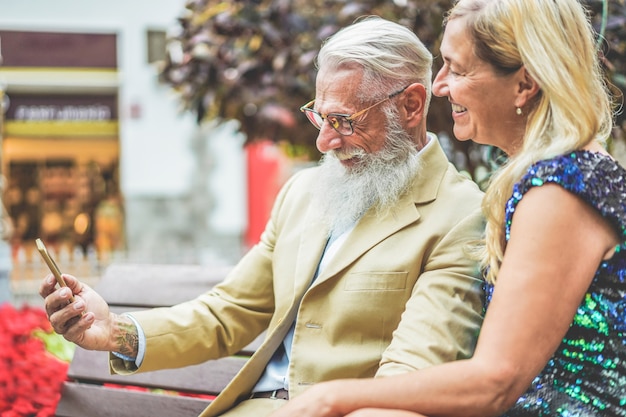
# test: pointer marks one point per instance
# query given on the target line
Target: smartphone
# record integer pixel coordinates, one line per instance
(51, 265)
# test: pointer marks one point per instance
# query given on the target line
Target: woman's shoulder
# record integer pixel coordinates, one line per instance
(583, 159)
(595, 177)
(578, 171)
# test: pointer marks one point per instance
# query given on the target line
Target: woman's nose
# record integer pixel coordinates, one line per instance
(440, 87)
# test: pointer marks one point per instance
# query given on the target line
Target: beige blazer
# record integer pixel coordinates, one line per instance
(399, 295)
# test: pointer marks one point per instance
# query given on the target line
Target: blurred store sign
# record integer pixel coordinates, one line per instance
(67, 115)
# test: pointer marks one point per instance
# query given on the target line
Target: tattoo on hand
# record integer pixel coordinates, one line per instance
(127, 337)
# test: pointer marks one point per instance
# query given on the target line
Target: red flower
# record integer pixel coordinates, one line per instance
(30, 377)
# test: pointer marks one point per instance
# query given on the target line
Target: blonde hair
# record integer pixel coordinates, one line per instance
(554, 41)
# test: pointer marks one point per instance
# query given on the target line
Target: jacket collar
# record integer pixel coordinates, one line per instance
(372, 229)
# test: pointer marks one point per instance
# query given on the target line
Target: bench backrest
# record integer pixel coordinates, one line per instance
(91, 391)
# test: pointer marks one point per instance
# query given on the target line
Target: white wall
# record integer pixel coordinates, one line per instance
(156, 157)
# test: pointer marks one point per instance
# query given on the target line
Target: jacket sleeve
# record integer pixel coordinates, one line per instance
(218, 323)
(443, 316)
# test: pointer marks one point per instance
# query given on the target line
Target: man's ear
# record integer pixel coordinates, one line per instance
(527, 88)
(414, 104)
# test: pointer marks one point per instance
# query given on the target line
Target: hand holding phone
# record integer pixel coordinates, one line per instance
(51, 265)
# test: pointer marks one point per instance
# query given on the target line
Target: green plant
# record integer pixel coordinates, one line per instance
(253, 61)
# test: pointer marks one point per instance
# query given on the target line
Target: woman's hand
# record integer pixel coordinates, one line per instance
(316, 401)
(335, 399)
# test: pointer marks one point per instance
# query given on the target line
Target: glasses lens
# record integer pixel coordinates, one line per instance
(337, 122)
(340, 124)
(314, 118)
(334, 121)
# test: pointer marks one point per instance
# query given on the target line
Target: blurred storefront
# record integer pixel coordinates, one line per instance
(61, 147)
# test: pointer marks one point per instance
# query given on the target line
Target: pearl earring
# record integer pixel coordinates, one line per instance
(518, 111)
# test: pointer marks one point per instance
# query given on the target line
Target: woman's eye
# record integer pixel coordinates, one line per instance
(453, 72)
(449, 70)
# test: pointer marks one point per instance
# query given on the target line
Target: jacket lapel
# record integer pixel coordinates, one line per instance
(312, 244)
(367, 233)
(372, 229)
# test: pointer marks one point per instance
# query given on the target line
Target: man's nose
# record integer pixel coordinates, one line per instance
(328, 139)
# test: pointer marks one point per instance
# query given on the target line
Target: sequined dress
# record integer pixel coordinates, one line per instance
(587, 374)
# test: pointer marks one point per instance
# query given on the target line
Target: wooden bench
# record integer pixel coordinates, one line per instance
(92, 392)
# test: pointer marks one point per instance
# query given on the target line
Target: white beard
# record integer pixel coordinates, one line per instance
(376, 181)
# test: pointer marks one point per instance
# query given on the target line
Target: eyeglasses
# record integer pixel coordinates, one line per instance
(342, 123)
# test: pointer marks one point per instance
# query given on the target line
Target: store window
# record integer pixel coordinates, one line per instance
(74, 207)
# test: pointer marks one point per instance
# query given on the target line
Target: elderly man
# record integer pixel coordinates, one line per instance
(361, 269)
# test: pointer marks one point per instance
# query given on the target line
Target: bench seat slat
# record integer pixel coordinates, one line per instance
(157, 285)
(209, 377)
(85, 400)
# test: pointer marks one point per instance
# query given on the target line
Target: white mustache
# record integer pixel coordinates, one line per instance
(343, 155)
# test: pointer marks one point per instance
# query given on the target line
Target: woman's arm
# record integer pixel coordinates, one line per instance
(557, 242)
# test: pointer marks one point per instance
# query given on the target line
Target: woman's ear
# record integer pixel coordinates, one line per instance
(414, 104)
(527, 88)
